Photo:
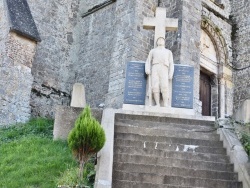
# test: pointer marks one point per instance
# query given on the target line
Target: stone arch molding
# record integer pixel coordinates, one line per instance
(224, 72)
(219, 42)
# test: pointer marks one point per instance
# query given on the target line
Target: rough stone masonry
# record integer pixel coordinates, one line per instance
(94, 50)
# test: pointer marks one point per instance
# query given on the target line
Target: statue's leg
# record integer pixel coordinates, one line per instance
(165, 98)
(155, 84)
(157, 98)
(164, 85)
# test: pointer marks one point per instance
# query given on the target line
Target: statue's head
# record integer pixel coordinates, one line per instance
(160, 41)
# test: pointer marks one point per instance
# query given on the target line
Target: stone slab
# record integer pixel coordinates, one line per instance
(183, 86)
(78, 96)
(163, 112)
(104, 167)
(65, 118)
(156, 109)
(135, 84)
(243, 113)
(21, 19)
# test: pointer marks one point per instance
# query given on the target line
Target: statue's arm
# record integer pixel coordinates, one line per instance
(148, 63)
(171, 66)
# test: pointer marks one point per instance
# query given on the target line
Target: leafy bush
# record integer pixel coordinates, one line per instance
(85, 139)
(70, 177)
(245, 140)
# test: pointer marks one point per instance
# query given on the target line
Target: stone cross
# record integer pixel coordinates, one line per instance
(160, 23)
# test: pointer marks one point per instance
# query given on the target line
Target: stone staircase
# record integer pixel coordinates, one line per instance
(162, 152)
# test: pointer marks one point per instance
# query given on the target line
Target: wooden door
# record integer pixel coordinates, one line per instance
(205, 94)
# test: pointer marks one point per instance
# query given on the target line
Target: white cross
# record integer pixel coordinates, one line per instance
(160, 23)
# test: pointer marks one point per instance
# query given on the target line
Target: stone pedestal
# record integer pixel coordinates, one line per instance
(65, 120)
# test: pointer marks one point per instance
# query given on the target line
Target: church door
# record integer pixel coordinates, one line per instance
(205, 94)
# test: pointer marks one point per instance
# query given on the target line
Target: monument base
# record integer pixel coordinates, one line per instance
(156, 109)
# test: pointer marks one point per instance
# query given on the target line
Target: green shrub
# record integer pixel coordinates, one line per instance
(245, 140)
(85, 139)
(70, 176)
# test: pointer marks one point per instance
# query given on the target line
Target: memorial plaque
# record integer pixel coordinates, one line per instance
(135, 84)
(183, 87)
(21, 19)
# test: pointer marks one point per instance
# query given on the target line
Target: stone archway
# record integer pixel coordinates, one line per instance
(214, 63)
(208, 69)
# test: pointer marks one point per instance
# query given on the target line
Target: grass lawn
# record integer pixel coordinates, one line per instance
(29, 158)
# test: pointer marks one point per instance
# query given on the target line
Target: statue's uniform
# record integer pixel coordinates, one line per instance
(160, 64)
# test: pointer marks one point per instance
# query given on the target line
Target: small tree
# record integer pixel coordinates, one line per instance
(86, 138)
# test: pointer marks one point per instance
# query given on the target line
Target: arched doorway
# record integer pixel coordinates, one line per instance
(208, 70)
(215, 64)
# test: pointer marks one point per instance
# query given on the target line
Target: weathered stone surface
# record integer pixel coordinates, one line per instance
(56, 54)
(78, 96)
(241, 51)
(14, 96)
(16, 79)
(65, 120)
(21, 19)
(115, 36)
(243, 112)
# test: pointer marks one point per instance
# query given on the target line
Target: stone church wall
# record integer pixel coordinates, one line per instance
(173, 39)
(97, 33)
(241, 51)
(113, 37)
(54, 61)
(94, 50)
(16, 56)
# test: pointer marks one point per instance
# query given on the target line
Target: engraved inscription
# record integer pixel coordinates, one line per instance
(182, 95)
(135, 85)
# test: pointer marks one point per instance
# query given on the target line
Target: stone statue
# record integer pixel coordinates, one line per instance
(159, 68)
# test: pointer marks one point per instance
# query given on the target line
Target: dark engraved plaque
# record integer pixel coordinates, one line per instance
(183, 86)
(21, 19)
(135, 84)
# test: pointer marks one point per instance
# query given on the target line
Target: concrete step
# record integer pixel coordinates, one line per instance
(174, 171)
(165, 125)
(171, 154)
(170, 146)
(172, 162)
(168, 120)
(132, 184)
(174, 180)
(167, 133)
(185, 141)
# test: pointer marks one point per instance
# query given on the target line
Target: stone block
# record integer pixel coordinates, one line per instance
(78, 96)
(65, 120)
(243, 113)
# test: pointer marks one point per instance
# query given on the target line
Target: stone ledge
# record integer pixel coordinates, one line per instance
(237, 155)
(181, 113)
(216, 9)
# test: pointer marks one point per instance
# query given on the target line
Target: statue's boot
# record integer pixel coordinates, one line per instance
(165, 98)
(157, 98)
